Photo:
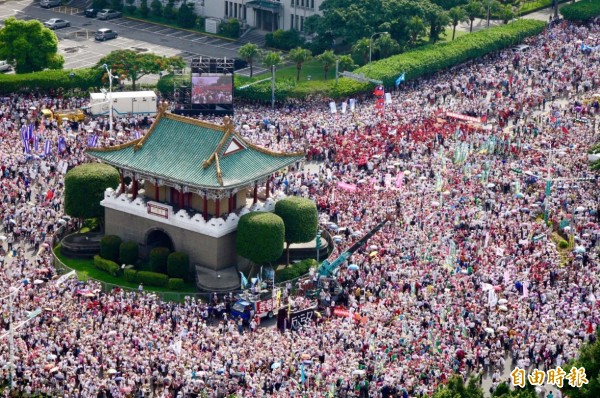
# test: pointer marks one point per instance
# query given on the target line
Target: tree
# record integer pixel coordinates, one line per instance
(271, 59)
(29, 46)
(186, 18)
(158, 259)
(144, 10)
(260, 237)
(231, 28)
(360, 50)
(128, 252)
(506, 13)
(284, 39)
(589, 359)
(169, 11)
(438, 19)
(473, 9)
(178, 265)
(416, 28)
(490, 7)
(327, 59)
(134, 65)
(117, 5)
(300, 218)
(346, 63)
(386, 46)
(84, 189)
(130, 9)
(299, 56)
(156, 6)
(249, 52)
(457, 15)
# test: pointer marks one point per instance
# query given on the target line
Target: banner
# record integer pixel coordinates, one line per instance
(463, 117)
(388, 98)
(347, 187)
(344, 106)
(352, 104)
(332, 107)
(295, 320)
(63, 278)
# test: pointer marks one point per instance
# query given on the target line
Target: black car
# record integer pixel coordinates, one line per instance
(91, 13)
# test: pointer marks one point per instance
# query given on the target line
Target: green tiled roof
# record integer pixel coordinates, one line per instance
(176, 148)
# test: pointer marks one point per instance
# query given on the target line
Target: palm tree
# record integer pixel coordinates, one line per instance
(271, 59)
(249, 52)
(386, 46)
(299, 55)
(457, 15)
(415, 28)
(473, 9)
(326, 59)
(360, 50)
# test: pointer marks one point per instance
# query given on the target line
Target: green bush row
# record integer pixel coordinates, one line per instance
(178, 265)
(175, 284)
(48, 80)
(581, 11)
(158, 259)
(107, 266)
(295, 271)
(433, 58)
(110, 247)
(262, 91)
(128, 252)
(153, 279)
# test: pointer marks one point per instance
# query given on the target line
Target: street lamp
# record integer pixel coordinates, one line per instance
(371, 42)
(110, 102)
(273, 86)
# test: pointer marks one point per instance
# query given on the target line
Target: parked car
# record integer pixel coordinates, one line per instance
(108, 14)
(57, 23)
(105, 34)
(521, 48)
(91, 13)
(50, 3)
(5, 66)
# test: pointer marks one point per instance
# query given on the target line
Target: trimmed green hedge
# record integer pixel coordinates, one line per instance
(128, 252)
(152, 278)
(175, 284)
(158, 259)
(295, 271)
(130, 275)
(109, 247)
(582, 11)
(430, 59)
(260, 237)
(284, 88)
(107, 266)
(49, 80)
(300, 218)
(84, 189)
(178, 265)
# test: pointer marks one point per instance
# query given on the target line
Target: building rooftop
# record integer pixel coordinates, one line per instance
(194, 153)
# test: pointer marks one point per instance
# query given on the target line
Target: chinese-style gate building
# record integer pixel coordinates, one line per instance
(190, 182)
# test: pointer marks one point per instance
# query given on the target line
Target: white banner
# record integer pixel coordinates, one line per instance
(332, 107)
(344, 105)
(352, 104)
(63, 278)
(388, 98)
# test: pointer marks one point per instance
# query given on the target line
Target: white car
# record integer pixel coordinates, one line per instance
(57, 23)
(5, 66)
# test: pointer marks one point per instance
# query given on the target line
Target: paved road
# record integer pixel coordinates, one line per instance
(78, 47)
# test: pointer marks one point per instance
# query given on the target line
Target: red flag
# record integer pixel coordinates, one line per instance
(484, 119)
(379, 92)
(565, 130)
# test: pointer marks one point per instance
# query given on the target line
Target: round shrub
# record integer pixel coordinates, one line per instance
(158, 259)
(128, 252)
(175, 284)
(300, 218)
(260, 237)
(130, 275)
(109, 247)
(85, 186)
(563, 244)
(178, 265)
(107, 266)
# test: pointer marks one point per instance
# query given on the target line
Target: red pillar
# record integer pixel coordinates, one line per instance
(205, 207)
(268, 188)
(217, 207)
(156, 192)
(122, 185)
(135, 189)
(255, 193)
(180, 199)
(230, 204)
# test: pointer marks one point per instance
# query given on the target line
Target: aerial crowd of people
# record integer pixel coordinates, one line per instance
(484, 170)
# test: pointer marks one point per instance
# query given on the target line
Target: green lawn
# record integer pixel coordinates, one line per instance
(86, 270)
(312, 68)
(448, 36)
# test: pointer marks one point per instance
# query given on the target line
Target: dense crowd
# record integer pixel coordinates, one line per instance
(466, 276)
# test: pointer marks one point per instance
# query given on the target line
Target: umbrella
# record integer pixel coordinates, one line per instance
(54, 369)
(503, 308)
(55, 319)
(580, 209)
(358, 372)
(2, 237)
(62, 222)
(275, 365)
(353, 267)
(490, 185)
(406, 172)
(579, 249)
(519, 196)
(66, 217)
(502, 301)
(89, 295)
(59, 376)
(373, 247)
(38, 282)
(503, 329)
(435, 204)
(373, 254)
(489, 330)
(112, 371)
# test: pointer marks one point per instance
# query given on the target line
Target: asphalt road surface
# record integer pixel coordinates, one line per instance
(78, 47)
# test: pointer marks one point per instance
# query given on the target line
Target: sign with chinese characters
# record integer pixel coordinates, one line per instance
(297, 320)
(158, 210)
(576, 377)
(264, 307)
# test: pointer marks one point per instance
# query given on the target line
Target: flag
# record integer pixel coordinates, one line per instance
(260, 275)
(332, 107)
(176, 347)
(64, 277)
(26, 146)
(400, 79)
(379, 91)
(92, 141)
(30, 132)
(62, 144)
(244, 281)
(137, 135)
(565, 130)
(24, 132)
(352, 103)
(36, 141)
(302, 374)
(47, 147)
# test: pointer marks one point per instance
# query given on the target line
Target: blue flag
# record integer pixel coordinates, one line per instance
(30, 132)
(24, 133)
(92, 141)
(26, 146)
(400, 79)
(47, 147)
(244, 281)
(137, 135)
(302, 374)
(36, 141)
(62, 144)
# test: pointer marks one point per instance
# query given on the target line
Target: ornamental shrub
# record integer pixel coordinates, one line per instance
(178, 265)
(46, 81)
(152, 278)
(158, 259)
(107, 266)
(581, 11)
(84, 189)
(128, 252)
(175, 284)
(295, 271)
(300, 218)
(563, 244)
(109, 247)
(260, 237)
(130, 275)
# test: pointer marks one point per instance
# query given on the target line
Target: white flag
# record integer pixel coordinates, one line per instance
(388, 98)
(352, 104)
(332, 107)
(344, 105)
(176, 347)
(63, 278)
(492, 298)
